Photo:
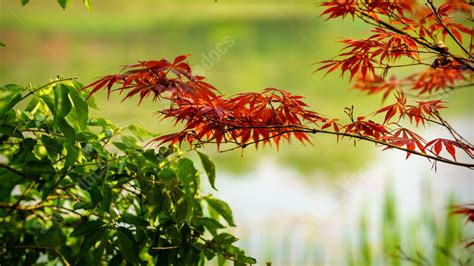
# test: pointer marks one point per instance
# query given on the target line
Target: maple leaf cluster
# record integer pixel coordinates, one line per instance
(272, 114)
(406, 33)
(403, 30)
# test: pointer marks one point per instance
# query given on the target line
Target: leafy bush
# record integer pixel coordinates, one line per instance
(82, 190)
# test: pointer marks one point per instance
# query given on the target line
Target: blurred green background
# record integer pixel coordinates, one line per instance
(274, 44)
(268, 43)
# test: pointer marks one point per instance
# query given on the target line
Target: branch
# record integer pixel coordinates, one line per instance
(440, 21)
(44, 86)
(4, 166)
(293, 129)
(368, 19)
(61, 256)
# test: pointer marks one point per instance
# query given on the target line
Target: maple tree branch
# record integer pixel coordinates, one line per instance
(397, 18)
(440, 21)
(439, 94)
(297, 128)
(458, 137)
(370, 20)
(361, 137)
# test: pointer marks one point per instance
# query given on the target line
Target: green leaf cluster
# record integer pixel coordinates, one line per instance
(80, 190)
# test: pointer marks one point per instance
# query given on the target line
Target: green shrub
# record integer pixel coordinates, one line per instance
(81, 190)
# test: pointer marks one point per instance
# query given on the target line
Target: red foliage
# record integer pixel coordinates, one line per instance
(272, 114)
(402, 30)
(437, 145)
(434, 80)
(376, 84)
(408, 139)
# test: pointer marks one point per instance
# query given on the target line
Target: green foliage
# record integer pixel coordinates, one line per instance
(80, 190)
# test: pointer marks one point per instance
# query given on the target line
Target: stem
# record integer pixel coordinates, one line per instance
(61, 256)
(440, 21)
(292, 129)
(4, 166)
(422, 42)
(44, 86)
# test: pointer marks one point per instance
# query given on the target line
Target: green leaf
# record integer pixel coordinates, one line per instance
(82, 205)
(107, 197)
(131, 142)
(121, 165)
(48, 188)
(39, 167)
(98, 253)
(209, 167)
(101, 122)
(85, 258)
(246, 260)
(53, 238)
(10, 131)
(188, 175)
(8, 180)
(95, 195)
(207, 222)
(62, 104)
(2, 44)
(96, 234)
(49, 101)
(134, 220)
(10, 95)
(63, 3)
(72, 153)
(222, 208)
(140, 132)
(120, 146)
(87, 227)
(166, 174)
(181, 210)
(88, 5)
(68, 131)
(24, 152)
(126, 244)
(151, 156)
(53, 146)
(224, 239)
(81, 109)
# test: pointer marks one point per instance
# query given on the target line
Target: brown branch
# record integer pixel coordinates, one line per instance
(440, 21)
(13, 170)
(61, 256)
(370, 20)
(30, 208)
(293, 129)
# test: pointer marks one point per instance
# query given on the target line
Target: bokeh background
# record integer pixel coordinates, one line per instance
(326, 204)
